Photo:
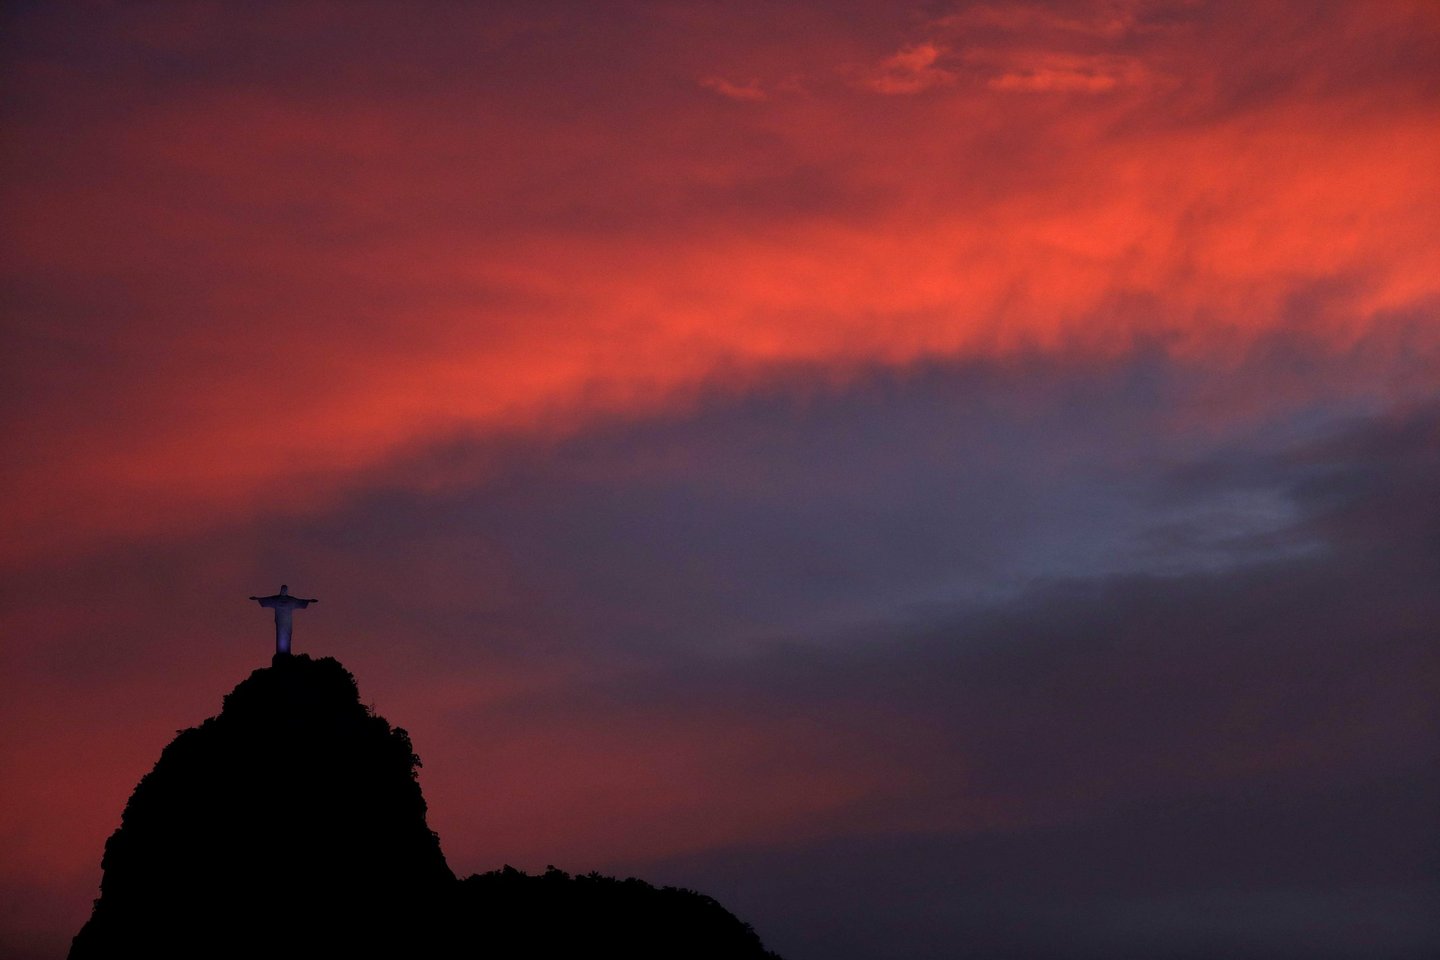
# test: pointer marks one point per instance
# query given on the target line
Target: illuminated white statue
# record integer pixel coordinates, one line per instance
(283, 604)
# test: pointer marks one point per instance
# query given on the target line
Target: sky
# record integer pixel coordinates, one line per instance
(944, 479)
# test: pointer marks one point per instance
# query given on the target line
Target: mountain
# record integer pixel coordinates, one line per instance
(557, 915)
(292, 824)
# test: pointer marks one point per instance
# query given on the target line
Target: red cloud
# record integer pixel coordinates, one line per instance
(238, 295)
(1066, 73)
(912, 70)
(735, 91)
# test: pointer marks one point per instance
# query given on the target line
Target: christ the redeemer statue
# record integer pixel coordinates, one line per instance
(283, 604)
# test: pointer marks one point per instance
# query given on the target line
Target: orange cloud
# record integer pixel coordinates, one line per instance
(234, 299)
(1067, 73)
(735, 91)
(911, 70)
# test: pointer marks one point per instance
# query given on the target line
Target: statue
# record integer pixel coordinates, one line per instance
(283, 604)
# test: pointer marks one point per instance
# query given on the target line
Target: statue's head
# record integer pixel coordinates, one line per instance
(284, 589)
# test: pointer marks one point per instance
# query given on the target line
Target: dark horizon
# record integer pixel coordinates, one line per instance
(936, 475)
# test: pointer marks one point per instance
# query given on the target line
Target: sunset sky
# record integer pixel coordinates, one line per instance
(936, 477)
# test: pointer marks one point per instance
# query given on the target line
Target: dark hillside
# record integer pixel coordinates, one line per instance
(516, 914)
(292, 825)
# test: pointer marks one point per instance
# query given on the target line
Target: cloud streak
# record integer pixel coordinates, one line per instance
(910, 70)
(382, 268)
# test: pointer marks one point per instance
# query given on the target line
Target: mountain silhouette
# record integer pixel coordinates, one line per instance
(292, 824)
